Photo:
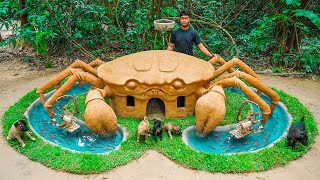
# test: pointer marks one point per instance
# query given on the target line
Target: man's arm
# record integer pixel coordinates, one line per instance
(171, 41)
(204, 50)
(170, 46)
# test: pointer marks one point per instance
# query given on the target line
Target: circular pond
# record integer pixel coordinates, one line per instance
(82, 140)
(221, 141)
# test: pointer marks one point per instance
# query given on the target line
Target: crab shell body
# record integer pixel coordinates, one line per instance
(165, 75)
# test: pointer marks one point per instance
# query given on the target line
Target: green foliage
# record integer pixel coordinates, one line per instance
(288, 28)
(260, 38)
(294, 3)
(100, 28)
(7, 8)
(48, 63)
(311, 54)
(169, 12)
(233, 102)
(27, 59)
(276, 70)
(88, 163)
(314, 18)
(40, 43)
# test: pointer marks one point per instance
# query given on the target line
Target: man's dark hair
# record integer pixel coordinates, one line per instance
(185, 12)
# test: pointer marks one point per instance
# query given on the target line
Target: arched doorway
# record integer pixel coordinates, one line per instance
(156, 109)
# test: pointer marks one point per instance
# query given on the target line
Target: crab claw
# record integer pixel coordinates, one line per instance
(99, 116)
(210, 110)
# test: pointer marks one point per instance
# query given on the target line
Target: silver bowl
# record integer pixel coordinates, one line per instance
(163, 25)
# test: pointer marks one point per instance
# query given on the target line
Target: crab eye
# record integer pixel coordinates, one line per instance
(131, 85)
(178, 84)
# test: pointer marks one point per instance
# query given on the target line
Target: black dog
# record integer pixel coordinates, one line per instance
(157, 130)
(297, 132)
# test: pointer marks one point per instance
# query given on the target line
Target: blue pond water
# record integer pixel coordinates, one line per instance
(218, 141)
(83, 140)
(221, 141)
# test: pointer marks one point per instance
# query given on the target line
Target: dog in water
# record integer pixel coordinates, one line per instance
(143, 129)
(19, 127)
(157, 130)
(297, 133)
(170, 127)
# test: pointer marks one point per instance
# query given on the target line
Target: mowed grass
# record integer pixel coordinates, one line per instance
(86, 163)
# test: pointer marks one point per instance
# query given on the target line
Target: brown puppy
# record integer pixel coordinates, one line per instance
(170, 127)
(18, 128)
(143, 129)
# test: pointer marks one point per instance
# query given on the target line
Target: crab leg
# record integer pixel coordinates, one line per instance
(264, 107)
(221, 61)
(210, 108)
(257, 84)
(99, 116)
(96, 63)
(67, 72)
(228, 65)
(77, 75)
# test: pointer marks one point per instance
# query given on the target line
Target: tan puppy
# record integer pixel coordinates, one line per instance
(170, 127)
(143, 129)
(18, 128)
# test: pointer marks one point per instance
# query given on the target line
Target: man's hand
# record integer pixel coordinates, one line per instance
(215, 56)
(170, 47)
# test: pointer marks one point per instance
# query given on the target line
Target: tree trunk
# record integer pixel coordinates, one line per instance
(23, 17)
(110, 12)
(289, 36)
(159, 4)
(1, 38)
(299, 36)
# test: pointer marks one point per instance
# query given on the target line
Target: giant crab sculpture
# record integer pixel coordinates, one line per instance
(186, 85)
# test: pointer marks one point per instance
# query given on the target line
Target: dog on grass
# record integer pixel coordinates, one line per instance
(297, 133)
(19, 127)
(170, 127)
(143, 129)
(156, 130)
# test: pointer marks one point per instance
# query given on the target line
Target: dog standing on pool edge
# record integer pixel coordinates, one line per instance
(19, 127)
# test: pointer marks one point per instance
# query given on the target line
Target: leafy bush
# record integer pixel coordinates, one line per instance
(230, 28)
(311, 54)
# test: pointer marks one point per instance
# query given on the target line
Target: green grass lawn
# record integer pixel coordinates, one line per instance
(86, 163)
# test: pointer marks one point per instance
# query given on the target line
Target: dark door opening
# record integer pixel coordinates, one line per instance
(156, 109)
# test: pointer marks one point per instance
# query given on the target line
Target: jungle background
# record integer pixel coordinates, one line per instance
(280, 35)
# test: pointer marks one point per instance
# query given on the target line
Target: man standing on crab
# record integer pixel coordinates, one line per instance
(182, 39)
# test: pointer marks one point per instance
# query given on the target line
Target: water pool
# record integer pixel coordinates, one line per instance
(81, 141)
(221, 141)
(218, 141)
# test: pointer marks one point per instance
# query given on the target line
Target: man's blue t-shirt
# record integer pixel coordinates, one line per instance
(184, 39)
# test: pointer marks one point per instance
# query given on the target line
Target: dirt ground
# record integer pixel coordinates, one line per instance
(17, 78)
